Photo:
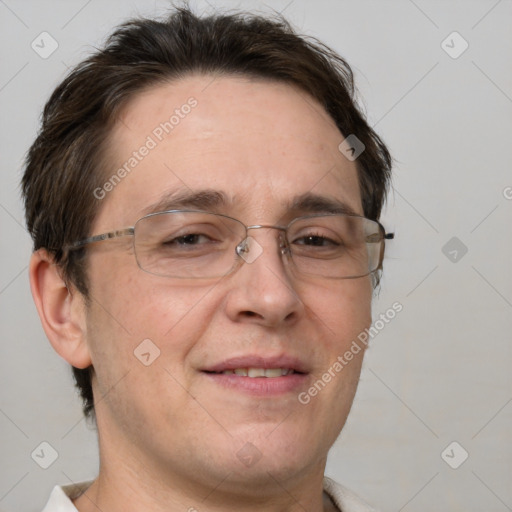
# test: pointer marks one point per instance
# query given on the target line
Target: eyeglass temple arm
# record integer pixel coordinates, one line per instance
(100, 238)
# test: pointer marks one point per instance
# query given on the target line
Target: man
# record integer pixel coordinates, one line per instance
(204, 199)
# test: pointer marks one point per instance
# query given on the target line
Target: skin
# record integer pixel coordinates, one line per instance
(168, 435)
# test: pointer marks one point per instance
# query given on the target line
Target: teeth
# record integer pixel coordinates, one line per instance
(256, 372)
(259, 372)
(274, 372)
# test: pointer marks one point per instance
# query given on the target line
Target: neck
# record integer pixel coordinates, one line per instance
(131, 484)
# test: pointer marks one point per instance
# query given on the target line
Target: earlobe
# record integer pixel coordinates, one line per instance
(61, 310)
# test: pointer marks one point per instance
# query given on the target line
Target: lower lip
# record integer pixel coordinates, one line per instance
(261, 386)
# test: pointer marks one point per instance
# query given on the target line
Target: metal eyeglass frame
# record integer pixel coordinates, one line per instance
(242, 245)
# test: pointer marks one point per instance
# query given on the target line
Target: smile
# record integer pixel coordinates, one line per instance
(260, 372)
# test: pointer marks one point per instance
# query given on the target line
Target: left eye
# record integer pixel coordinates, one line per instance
(315, 240)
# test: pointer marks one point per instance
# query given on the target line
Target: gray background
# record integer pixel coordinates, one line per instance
(440, 371)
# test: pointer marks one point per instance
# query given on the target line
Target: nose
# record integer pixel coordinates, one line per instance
(262, 290)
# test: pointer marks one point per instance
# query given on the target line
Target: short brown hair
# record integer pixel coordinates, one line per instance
(64, 164)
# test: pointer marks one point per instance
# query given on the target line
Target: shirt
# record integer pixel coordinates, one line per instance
(344, 499)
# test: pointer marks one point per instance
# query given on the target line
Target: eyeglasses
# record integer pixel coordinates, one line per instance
(196, 244)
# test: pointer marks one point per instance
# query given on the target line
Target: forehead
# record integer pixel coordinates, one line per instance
(260, 144)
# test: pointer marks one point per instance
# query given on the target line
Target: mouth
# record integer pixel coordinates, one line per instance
(269, 373)
(259, 375)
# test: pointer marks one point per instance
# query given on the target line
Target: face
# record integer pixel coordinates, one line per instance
(260, 147)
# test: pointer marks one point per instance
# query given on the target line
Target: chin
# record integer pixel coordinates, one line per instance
(273, 473)
(282, 455)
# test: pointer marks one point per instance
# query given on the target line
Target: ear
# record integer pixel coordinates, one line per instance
(61, 310)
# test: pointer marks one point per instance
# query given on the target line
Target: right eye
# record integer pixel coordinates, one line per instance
(190, 239)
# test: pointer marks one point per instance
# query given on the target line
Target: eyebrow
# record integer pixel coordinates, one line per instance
(315, 203)
(208, 200)
(215, 201)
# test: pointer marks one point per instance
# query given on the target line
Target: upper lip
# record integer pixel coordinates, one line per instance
(258, 361)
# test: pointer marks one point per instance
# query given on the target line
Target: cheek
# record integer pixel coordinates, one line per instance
(342, 313)
(343, 308)
(139, 303)
(145, 317)
(141, 314)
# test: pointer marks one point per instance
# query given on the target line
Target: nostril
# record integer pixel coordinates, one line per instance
(249, 313)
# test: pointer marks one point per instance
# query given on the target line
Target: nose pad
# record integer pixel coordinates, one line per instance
(242, 248)
(284, 246)
(249, 249)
